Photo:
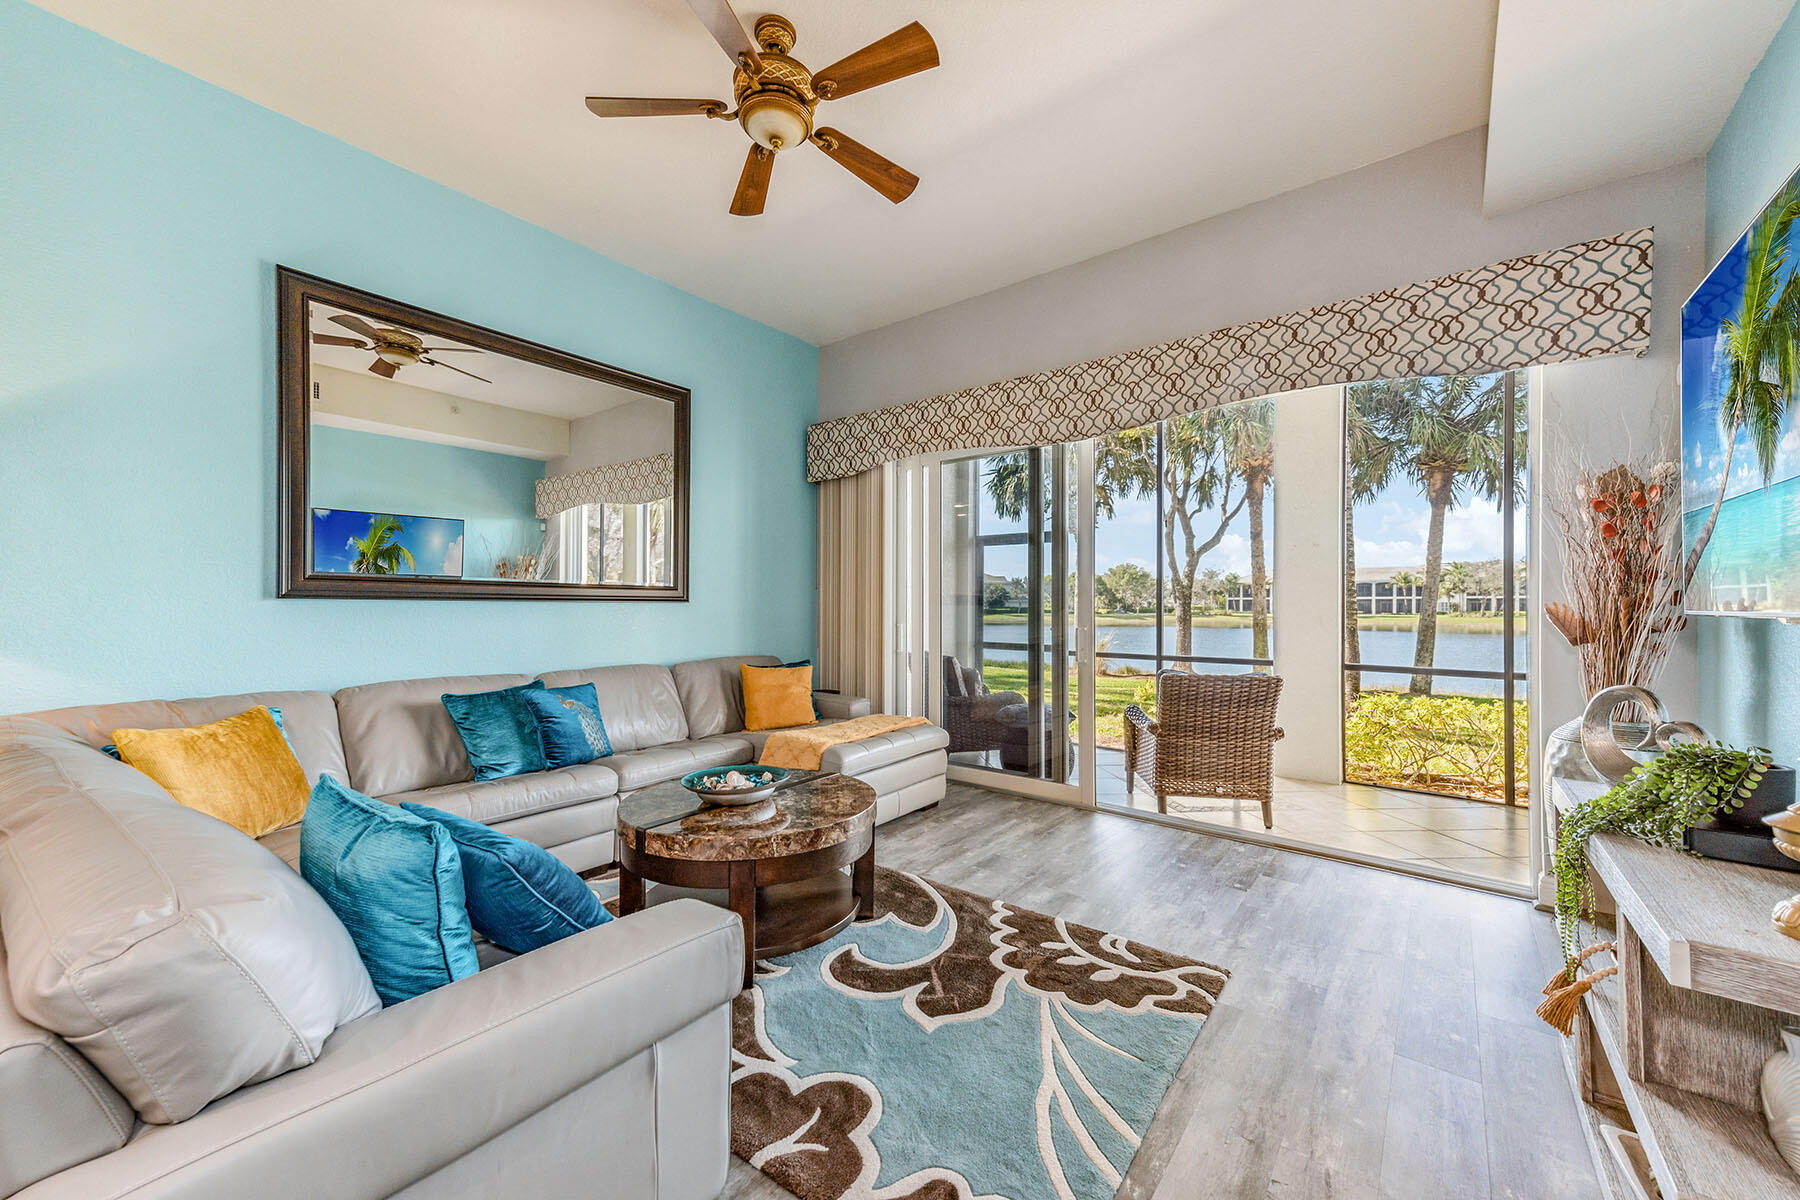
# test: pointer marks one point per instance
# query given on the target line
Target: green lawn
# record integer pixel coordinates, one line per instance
(1112, 694)
(1446, 744)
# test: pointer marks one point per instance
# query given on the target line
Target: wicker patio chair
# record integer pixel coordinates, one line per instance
(1214, 735)
(971, 712)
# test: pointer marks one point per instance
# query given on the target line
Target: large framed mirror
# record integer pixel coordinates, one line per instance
(423, 457)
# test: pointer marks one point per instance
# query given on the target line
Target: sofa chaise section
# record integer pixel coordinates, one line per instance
(906, 767)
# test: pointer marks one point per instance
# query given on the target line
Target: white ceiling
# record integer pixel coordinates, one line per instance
(1589, 91)
(1055, 130)
(506, 381)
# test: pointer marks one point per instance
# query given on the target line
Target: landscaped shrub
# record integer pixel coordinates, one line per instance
(1452, 744)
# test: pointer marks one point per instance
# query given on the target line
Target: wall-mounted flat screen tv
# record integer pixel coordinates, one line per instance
(348, 542)
(1740, 446)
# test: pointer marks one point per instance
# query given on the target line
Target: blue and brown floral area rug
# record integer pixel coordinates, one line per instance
(957, 1047)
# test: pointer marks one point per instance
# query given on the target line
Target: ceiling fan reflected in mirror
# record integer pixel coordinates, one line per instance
(394, 348)
(776, 96)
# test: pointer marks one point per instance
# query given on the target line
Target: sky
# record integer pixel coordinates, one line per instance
(436, 542)
(1390, 532)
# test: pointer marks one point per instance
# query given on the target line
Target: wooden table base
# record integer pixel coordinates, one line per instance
(785, 904)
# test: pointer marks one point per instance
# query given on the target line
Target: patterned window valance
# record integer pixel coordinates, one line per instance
(638, 481)
(1581, 301)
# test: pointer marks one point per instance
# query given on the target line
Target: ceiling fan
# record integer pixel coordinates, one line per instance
(394, 348)
(776, 96)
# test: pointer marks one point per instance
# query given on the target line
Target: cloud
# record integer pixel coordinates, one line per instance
(1390, 554)
(453, 554)
(1231, 554)
(349, 543)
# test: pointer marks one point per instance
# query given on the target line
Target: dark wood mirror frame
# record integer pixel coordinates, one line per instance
(293, 291)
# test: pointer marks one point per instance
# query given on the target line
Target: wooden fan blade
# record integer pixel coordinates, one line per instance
(632, 106)
(351, 321)
(452, 350)
(728, 31)
(753, 184)
(383, 368)
(432, 362)
(326, 339)
(901, 53)
(890, 179)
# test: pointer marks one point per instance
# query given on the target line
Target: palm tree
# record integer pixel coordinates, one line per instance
(1252, 454)
(1402, 580)
(1230, 585)
(376, 551)
(1445, 436)
(1368, 464)
(1202, 494)
(1762, 363)
(1455, 585)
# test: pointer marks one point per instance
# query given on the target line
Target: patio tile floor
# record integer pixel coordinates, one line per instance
(1469, 837)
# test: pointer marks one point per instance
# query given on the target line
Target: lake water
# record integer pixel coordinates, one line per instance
(1468, 650)
(1753, 560)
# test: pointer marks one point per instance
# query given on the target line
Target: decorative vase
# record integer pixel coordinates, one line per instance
(1564, 757)
(1781, 1096)
(1611, 757)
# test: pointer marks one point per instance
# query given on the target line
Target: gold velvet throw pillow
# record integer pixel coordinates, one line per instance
(777, 697)
(240, 770)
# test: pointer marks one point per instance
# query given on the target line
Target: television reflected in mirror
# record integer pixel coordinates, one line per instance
(426, 457)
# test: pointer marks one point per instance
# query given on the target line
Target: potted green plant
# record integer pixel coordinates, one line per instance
(1689, 783)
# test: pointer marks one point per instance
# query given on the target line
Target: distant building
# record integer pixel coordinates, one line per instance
(1237, 599)
(1376, 594)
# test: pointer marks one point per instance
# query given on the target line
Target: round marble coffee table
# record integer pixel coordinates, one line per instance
(778, 865)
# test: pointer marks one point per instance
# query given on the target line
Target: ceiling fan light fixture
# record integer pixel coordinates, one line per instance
(775, 120)
(396, 355)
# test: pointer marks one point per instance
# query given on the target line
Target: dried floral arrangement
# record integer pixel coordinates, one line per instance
(1620, 532)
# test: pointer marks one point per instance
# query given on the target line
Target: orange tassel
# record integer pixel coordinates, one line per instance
(1563, 997)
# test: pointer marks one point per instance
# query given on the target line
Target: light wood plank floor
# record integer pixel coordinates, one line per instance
(1376, 1038)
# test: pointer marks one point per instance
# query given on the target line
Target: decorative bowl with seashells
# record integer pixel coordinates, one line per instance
(741, 784)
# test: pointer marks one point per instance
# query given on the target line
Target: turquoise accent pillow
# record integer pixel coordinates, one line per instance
(112, 751)
(569, 728)
(396, 882)
(520, 896)
(497, 730)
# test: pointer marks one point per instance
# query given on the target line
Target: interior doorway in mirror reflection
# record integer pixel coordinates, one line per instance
(432, 458)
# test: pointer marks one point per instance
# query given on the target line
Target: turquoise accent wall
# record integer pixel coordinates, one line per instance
(493, 495)
(1750, 669)
(144, 212)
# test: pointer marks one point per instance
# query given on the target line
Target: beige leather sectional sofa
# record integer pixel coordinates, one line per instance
(601, 1062)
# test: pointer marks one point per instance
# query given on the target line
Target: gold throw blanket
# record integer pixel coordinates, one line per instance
(804, 748)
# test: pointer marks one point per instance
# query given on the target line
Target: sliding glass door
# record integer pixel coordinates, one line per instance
(1436, 652)
(1004, 678)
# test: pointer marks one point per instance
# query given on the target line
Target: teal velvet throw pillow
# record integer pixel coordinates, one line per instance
(497, 730)
(396, 882)
(520, 895)
(569, 728)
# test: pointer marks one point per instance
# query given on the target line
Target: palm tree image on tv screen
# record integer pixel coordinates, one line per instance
(349, 542)
(1740, 477)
